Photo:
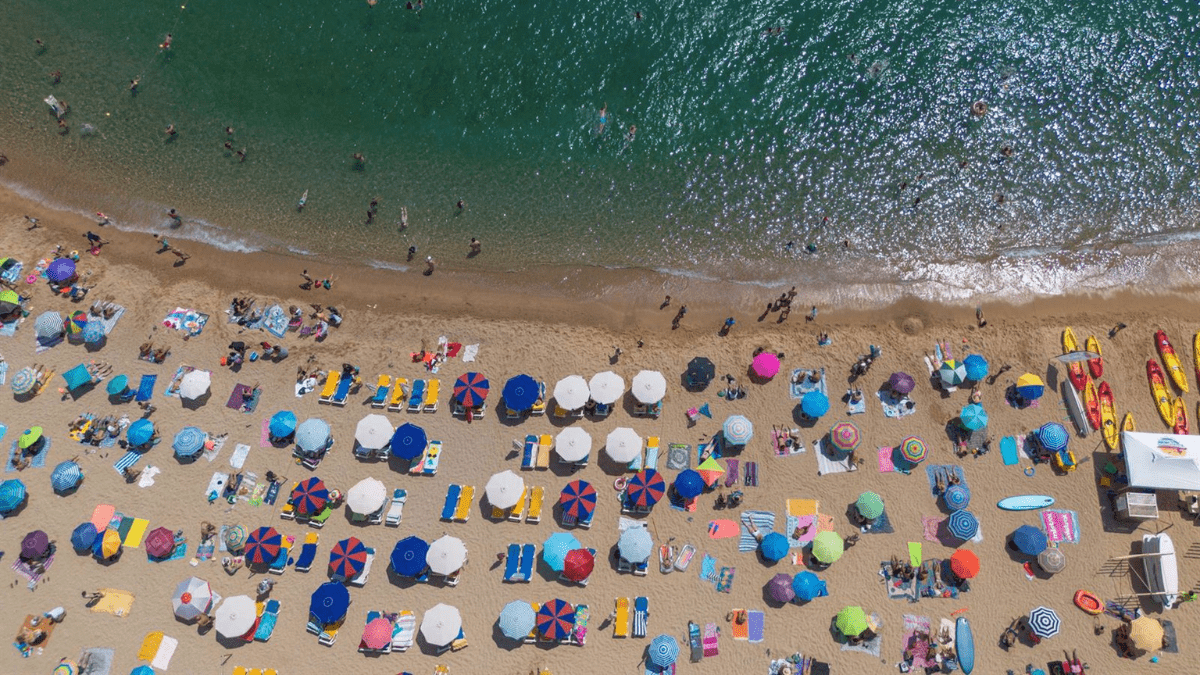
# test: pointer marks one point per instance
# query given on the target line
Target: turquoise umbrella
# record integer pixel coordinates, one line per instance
(117, 385)
(973, 417)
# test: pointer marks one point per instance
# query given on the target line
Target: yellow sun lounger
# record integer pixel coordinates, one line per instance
(545, 445)
(462, 512)
(431, 395)
(535, 505)
(399, 395)
(514, 513)
(331, 384)
(621, 623)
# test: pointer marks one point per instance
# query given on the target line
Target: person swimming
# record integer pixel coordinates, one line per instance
(603, 119)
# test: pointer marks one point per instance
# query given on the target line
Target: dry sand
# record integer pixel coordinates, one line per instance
(389, 315)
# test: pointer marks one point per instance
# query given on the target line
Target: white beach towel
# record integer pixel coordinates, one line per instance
(218, 443)
(306, 386)
(828, 465)
(147, 477)
(166, 649)
(216, 484)
(624, 523)
(469, 352)
(239, 455)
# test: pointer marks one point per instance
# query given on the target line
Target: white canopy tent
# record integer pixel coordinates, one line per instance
(1162, 461)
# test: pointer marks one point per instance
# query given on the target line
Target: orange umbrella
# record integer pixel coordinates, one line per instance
(964, 564)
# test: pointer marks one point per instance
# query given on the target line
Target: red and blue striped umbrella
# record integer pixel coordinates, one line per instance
(556, 619)
(645, 488)
(578, 499)
(347, 558)
(310, 496)
(262, 546)
(471, 389)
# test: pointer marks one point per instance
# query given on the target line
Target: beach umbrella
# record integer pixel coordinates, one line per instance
(310, 496)
(441, 625)
(1053, 437)
(408, 556)
(952, 372)
(663, 651)
(328, 604)
(808, 586)
(521, 392)
(35, 545)
(963, 524)
(517, 620)
(578, 499)
(347, 558)
(471, 389)
(68, 667)
(48, 326)
(956, 497)
(373, 432)
(578, 564)
(12, 495)
(189, 442)
(83, 536)
(765, 365)
(710, 471)
(1044, 622)
(193, 597)
(1030, 386)
(623, 444)
(634, 545)
(118, 385)
(555, 619)
(973, 417)
(555, 548)
(977, 367)
(774, 547)
(195, 384)
(1052, 560)
(852, 621)
(689, 483)
(9, 301)
(77, 322)
(235, 617)
(912, 449)
(283, 424)
(700, 372)
(814, 404)
(60, 269)
(902, 383)
(571, 392)
(409, 441)
(377, 634)
(446, 555)
(29, 437)
(1146, 633)
(827, 547)
(649, 387)
(1029, 540)
(845, 437)
(780, 588)
(573, 444)
(262, 546)
(24, 381)
(312, 435)
(964, 564)
(142, 430)
(505, 489)
(66, 476)
(645, 488)
(235, 537)
(367, 496)
(606, 387)
(869, 505)
(93, 332)
(160, 542)
(738, 430)
(107, 544)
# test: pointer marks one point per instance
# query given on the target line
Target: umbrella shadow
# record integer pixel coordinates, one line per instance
(400, 581)
(503, 641)
(196, 403)
(231, 643)
(802, 420)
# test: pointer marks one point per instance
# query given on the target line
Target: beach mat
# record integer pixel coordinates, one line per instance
(898, 589)
(914, 553)
(913, 625)
(102, 515)
(145, 390)
(99, 660)
(886, 464)
(1170, 641)
(827, 465)
(38, 461)
(881, 525)
(722, 529)
(871, 647)
(137, 530)
(708, 568)
(115, 602)
(238, 458)
(802, 507)
(127, 460)
(1008, 450)
(763, 520)
(1061, 526)
(944, 470)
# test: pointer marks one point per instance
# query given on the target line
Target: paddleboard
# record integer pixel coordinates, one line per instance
(1025, 502)
(964, 645)
(1075, 408)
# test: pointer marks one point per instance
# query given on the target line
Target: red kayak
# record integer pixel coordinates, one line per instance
(1091, 404)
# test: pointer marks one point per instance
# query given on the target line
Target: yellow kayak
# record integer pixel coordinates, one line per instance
(1075, 371)
(1108, 416)
(1127, 423)
(1158, 390)
(1171, 360)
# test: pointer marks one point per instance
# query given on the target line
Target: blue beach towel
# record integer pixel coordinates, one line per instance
(708, 568)
(763, 520)
(932, 471)
(9, 329)
(276, 321)
(3, 372)
(128, 460)
(13, 273)
(145, 389)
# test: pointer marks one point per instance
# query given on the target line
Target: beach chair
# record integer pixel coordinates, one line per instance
(416, 398)
(587, 520)
(266, 625)
(431, 395)
(528, 559)
(362, 647)
(477, 412)
(637, 463)
(343, 391)
(652, 452)
(536, 496)
(396, 511)
(532, 637)
(328, 636)
(330, 388)
(512, 563)
(451, 503)
(516, 513)
(710, 640)
(569, 520)
(528, 452)
(402, 636)
(602, 410)
(539, 406)
(641, 615)
(308, 552)
(511, 414)
(460, 643)
(313, 627)
(624, 565)
(462, 512)
(433, 455)
(621, 623)
(361, 579)
(641, 569)
(545, 445)
(376, 518)
(382, 391)
(279, 565)
(399, 395)
(318, 521)
(579, 635)
(287, 511)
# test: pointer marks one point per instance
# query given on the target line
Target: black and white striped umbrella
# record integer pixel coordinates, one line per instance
(1044, 622)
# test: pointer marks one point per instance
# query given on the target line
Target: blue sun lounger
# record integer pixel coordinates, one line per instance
(343, 391)
(266, 624)
(511, 563)
(641, 615)
(529, 452)
(308, 553)
(416, 398)
(528, 556)
(452, 494)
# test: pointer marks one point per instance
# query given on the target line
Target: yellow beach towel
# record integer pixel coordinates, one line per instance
(150, 646)
(115, 602)
(802, 507)
(134, 538)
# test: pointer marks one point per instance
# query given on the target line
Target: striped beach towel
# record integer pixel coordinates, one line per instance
(708, 568)
(763, 520)
(1061, 526)
(126, 461)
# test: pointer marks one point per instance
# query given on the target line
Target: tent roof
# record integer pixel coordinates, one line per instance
(1162, 461)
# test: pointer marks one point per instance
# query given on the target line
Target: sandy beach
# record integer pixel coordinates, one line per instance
(551, 328)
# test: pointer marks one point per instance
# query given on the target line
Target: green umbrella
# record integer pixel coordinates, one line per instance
(870, 505)
(852, 621)
(10, 296)
(827, 547)
(31, 436)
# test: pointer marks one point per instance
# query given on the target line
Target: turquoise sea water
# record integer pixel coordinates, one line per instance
(747, 138)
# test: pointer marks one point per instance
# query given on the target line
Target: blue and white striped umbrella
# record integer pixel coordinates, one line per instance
(956, 497)
(517, 620)
(664, 650)
(188, 442)
(66, 476)
(738, 430)
(963, 524)
(1044, 622)
(48, 325)
(1053, 437)
(12, 494)
(93, 332)
(24, 381)
(312, 435)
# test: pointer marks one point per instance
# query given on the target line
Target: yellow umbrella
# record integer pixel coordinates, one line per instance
(1146, 633)
(111, 543)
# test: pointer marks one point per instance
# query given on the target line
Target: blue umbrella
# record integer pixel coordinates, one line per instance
(774, 547)
(956, 497)
(556, 547)
(312, 435)
(117, 385)
(142, 670)
(83, 537)
(140, 432)
(808, 586)
(689, 483)
(521, 392)
(329, 603)
(517, 620)
(60, 270)
(188, 442)
(283, 424)
(973, 417)
(664, 651)
(12, 494)
(977, 367)
(1053, 437)
(409, 441)
(963, 524)
(408, 556)
(814, 404)
(66, 476)
(1029, 540)
(93, 332)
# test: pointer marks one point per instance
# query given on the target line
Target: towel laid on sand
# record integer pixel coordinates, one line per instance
(763, 520)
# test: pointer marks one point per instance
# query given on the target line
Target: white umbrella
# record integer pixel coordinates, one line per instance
(446, 555)
(373, 432)
(649, 387)
(441, 624)
(606, 387)
(505, 489)
(193, 597)
(571, 392)
(623, 445)
(573, 444)
(235, 616)
(195, 384)
(635, 545)
(367, 496)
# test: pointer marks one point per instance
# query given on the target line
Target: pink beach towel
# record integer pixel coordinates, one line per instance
(102, 516)
(931, 525)
(723, 529)
(913, 624)
(886, 465)
(731, 475)
(265, 441)
(1060, 526)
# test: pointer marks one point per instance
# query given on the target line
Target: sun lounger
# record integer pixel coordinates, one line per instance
(511, 414)
(431, 396)
(532, 637)
(266, 624)
(621, 623)
(602, 410)
(308, 552)
(362, 647)
(545, 445)
(536, 496)
(451, 503)
(462, 513)
(330, 388)
(343, 391)
(279, 566)
(579, 635)
(399, 395)
(624, 565)
(396, 511)
(652, 452)
(641, 569)
(641, 615)
(511, 563)
(313, 627)
(710, 640)
(328, 636)
(382, 390)
(361, 578)
(587, 521)
(478, 412)
(459, 643)
(529, 452)
(636, 464)
(402, 636)
(318, 521)
(416, 397)
(528, 559)
(433, 455)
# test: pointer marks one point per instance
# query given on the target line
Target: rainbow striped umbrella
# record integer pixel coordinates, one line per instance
(310, 496)
(347, 558)
(845, 436)
(645, 488)
(556, 619)
(912, 449)
(578, 499)
(471, 389)
(77, 323)
(262, 546)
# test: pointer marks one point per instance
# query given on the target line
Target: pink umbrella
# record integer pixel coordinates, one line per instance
(160, 542)
(765, 365)
(377, 634)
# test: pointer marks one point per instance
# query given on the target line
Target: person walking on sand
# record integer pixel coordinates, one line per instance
(430, 264)
(163, 244)
(476, 246)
